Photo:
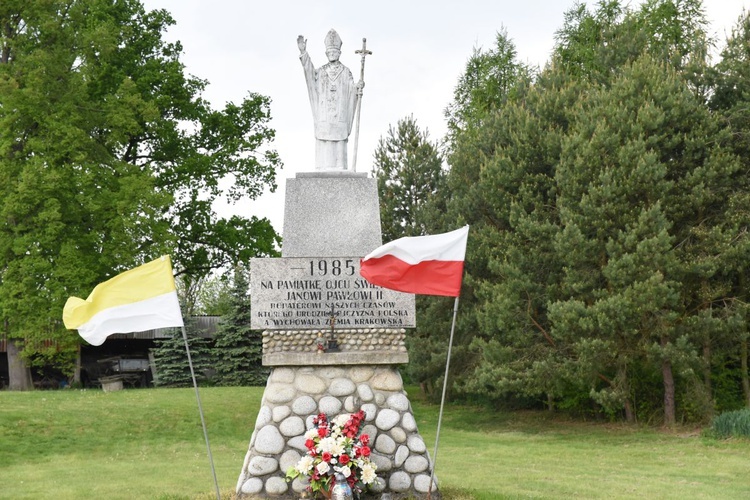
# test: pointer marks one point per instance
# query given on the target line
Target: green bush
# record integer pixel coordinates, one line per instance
(732, 424)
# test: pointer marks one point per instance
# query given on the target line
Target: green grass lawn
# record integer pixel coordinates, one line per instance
(149, 444)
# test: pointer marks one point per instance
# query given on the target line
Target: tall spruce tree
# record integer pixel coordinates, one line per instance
(171, 359)
(238, 350)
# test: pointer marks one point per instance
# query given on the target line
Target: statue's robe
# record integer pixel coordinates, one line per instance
(333, 97)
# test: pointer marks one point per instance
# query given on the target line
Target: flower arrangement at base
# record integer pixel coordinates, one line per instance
(320, 345)
(336, 450)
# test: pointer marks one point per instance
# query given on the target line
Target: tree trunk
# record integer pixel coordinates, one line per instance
(745, 379)
(77, 373)
(18, 373)
(629, 413)
(707, 369)
(669, 403)
(624, 383)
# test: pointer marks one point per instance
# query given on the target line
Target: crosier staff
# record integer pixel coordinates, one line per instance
(364, 53)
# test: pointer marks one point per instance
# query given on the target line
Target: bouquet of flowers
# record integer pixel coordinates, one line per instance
(336, 451)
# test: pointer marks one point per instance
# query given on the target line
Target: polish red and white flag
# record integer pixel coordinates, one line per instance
(425, 265)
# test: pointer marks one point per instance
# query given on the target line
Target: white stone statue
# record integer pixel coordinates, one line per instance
(333, 98)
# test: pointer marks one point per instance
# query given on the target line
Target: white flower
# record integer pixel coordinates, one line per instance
(305, 464)
(327, 444)
(345, 471)
(368, 473)
(323, 467)
(332, 445)
(311, 433)
(342, 419)
(338, 447)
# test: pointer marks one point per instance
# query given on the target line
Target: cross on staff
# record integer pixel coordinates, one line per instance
(364, 52)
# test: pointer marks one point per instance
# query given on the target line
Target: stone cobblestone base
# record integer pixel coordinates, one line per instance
(295, 394)
(349, 340)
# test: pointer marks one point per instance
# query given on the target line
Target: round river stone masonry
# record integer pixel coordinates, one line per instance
(295, 394)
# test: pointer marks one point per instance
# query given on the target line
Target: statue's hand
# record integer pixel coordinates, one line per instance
(302, 44)
(360, 86)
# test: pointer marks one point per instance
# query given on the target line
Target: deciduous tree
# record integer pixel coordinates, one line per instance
(110, 157)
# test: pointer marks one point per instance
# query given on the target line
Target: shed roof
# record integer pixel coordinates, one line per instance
(205, 326)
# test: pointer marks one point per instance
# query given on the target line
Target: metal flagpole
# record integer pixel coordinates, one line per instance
(364, 53)
(200, 410)
(442, 399)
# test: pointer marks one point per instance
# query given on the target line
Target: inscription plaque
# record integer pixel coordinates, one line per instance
(299, 292)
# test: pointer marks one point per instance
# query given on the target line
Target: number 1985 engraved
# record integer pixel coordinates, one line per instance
(335, 267)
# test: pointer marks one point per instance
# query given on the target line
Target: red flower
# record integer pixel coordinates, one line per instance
(321, 420)
(351, 428)
(357, 447)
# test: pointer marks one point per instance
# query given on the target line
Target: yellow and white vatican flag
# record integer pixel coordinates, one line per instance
(140, 299)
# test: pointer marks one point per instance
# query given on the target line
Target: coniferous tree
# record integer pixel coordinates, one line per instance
(408, 168)
(514, 268)
(171, 360)
(730, 79)
(607, 228)
(645, 193)
(492, 78)
(238, 349)
(411, 188)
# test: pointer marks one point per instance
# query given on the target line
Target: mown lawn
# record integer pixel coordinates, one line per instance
(148, 444)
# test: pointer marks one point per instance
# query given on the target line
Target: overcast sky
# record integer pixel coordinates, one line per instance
(420, 48)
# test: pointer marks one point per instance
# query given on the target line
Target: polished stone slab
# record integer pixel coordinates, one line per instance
(304, 292)
(330, 214)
